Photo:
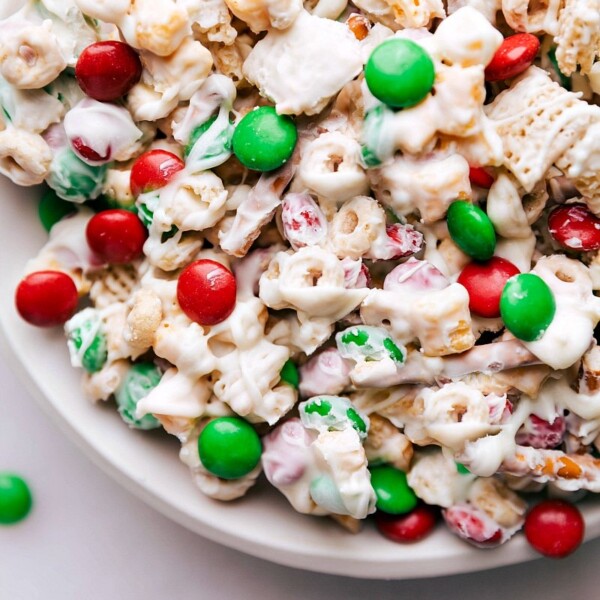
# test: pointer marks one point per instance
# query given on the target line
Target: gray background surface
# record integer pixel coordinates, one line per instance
(89, 539)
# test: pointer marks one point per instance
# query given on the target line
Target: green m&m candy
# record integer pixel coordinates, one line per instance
(289, 374)
(264, 140)
(229, 447)
(399, 73)
(394, 496)
(52, 209)
(140, 380)
(15, 499)
(471, 230)
(527, 306)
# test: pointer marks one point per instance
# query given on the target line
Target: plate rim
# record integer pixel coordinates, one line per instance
(462, 559)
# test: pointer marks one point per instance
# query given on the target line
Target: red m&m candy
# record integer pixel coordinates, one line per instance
(515, 55)
(574, 227)
(117, 236)
(46, 298)
(153, 170)
(206, 292)
(485, 281)
(555, 528)
(108, 70)
(480, 177)
(411, 527)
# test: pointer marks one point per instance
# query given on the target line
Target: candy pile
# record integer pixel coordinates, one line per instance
(352, 246)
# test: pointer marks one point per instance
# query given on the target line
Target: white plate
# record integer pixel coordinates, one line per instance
(262, 524)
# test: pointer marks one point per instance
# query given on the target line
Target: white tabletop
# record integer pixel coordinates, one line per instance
(88, 538)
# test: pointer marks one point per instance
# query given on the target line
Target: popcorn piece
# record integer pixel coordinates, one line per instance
(212, 19)
(428, 185)
(168, 80)
(531, 16)
(102, 384)
(435, 479)
(488, 8)
(403, 13)
(302, 78)
(386, 444)
(418, 315)
(261, 15)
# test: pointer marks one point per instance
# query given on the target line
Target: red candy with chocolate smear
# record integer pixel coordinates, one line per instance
(555, 528)
(46, 298)
(485, 281)
(153, 170)
(575, 227)
(515, 55)
(108, 70)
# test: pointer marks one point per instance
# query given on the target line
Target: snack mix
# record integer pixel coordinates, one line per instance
(352, 246)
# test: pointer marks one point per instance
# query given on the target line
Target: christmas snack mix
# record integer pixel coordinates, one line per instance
(350, 245)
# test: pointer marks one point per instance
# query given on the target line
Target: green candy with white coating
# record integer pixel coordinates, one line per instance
(332, 413)
(325, 493)
(74, 180)
(365, 343)
(86, 340)
(210, 143)
(376, 145)
(139, 381)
